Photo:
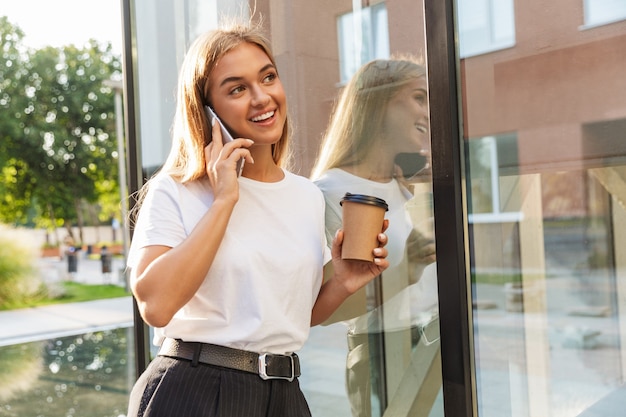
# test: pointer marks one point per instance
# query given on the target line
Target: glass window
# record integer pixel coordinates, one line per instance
(485, 26)
(491, 159)
(66, 314)
(601, 12)
(384, 357)
(547, 284)
(363, 36)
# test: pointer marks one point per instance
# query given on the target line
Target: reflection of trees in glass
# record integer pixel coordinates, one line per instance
(57, 121)
(20, 367)
(84, 375)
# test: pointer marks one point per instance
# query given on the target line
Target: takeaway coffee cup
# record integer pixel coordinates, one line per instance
(363, 218)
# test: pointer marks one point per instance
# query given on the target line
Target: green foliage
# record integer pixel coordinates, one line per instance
(21, 366)
(75, 292)
(19, 275)
(57, 122)
(496, 278)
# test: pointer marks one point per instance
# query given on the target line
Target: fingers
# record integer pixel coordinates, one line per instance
(214, 148)
(335, 249)
(380, 256)
(380, 253)
(382, 239)
(218, 153)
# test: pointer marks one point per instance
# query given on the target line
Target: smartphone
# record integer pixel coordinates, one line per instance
(226, 136)
(411, 163)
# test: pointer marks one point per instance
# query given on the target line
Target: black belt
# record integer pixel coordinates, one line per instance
(266, 365)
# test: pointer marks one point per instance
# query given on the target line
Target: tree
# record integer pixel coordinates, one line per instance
(62, 132)
(13, 72)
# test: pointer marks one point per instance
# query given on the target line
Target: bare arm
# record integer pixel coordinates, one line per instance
(165, 279)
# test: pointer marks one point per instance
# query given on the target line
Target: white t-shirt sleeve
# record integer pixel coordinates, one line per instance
(160, 219)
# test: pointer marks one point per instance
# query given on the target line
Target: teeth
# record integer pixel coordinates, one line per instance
(421, 128)
(264, 116)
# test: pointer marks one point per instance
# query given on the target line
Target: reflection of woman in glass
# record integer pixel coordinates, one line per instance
(381, 121)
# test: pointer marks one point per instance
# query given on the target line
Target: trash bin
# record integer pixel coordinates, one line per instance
(72, 260)
(106, 260)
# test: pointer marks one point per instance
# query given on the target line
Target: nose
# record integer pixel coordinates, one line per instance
(260, 97)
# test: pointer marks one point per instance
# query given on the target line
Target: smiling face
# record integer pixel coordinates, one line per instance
(406, 124)
(248, 96)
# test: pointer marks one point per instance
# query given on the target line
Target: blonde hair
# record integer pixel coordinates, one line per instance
(191, 130)
(360, 110)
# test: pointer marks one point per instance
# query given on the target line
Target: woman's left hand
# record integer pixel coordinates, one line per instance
(356, 274)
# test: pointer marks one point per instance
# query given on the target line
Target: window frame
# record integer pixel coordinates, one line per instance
(489, 42)
(593, 6)
(352, 53)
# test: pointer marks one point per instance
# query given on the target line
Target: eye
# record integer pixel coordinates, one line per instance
(236, 90)
(421, 98)
(270, 77)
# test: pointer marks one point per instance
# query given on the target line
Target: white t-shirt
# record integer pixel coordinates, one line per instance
(265, 278)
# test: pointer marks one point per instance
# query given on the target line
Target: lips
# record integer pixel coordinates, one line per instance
(422, 128)
(263, 117)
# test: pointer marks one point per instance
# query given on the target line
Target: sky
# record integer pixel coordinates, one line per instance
(63, 22)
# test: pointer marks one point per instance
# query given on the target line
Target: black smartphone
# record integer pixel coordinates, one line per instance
(411, 163)
(226, 136)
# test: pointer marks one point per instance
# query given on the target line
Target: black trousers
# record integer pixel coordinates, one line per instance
(173, 388)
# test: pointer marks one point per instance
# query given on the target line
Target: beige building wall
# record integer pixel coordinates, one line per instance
(305, 40)
(529, 89)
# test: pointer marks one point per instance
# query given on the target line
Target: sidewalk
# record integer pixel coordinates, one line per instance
(48, 322)
(40, 323)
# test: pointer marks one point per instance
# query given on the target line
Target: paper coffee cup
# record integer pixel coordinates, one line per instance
(363, 218)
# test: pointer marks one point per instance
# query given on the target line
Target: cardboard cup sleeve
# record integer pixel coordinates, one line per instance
(363, 218)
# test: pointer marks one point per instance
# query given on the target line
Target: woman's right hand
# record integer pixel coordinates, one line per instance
(221, 163)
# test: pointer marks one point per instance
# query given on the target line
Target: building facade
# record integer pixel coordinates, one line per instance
(526, 199)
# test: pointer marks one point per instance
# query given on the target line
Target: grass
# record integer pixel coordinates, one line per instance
(495, 278)
(71, 292)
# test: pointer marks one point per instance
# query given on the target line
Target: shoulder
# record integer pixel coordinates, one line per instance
(300, 181)
(161, 182)
(335, 177)
(303, 186)
(168, 184)
(163, 189)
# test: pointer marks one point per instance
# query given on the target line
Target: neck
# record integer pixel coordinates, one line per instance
(378, 170)
(264, 168)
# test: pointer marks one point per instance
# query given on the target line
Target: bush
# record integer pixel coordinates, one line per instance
(20, 279)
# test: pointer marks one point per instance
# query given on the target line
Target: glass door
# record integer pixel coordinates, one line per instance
(543, 119)
(379, 355)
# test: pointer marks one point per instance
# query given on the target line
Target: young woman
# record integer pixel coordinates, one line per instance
(228, 268)
(381, 120)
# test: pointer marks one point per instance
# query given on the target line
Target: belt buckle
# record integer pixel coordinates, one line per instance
(263, 368)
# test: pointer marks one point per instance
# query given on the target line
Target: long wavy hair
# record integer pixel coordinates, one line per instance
(358, 115)
(191, 130)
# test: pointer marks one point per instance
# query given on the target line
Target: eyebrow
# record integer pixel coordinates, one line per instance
(235, 79)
